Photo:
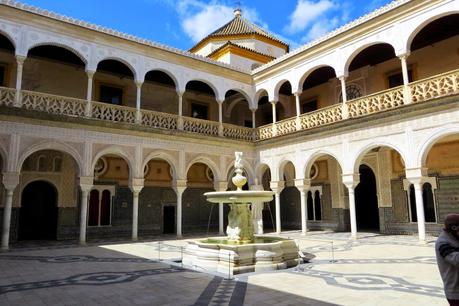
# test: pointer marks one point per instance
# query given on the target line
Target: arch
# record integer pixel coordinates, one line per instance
(209, 163)
(9, 37)
(60, 45)
(359, 49)
(421, 25)
(260, 169)
(161, 156)
(430, 141)
(277, 88)
(212, 86)
(165, 71)
(118, 59)
(308, 72)
(55, 146)
(314, 156)
(364, 150)
(281, 168)
(243, 93)
(259, 93)
(114, 150)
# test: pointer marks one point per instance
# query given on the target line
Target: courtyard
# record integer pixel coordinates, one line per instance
(372, 270)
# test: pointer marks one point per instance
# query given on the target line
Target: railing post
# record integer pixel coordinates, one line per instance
(20, 64)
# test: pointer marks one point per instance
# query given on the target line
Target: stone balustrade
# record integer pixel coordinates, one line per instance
(430, 88)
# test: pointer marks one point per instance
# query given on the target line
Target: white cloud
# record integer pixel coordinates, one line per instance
(306, 12)
(320, 28)
(198, 19)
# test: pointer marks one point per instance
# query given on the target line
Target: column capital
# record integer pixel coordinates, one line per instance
(403, 56)
(297, 94)
(86, 183)
(90, 73)
(10, 180)
(273, 102)
(138, 83)
(416, 175)
(221, 186)
(136, 184)
(303, 184)
(277, 186)
(342, 77)
(220, 101)
(20, 59)
(253, 110)
(180, 93)
(179, 186)
(351, 180)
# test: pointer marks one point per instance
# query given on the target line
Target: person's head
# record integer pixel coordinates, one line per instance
(452, 225)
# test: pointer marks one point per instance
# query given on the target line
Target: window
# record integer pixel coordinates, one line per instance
(112, 95)
(428, 201)
(41, 167)
(309, 106)
(99, 208)
(317, 206)
(396, 79)
(310, 204)
(199, 111)
(57, 164)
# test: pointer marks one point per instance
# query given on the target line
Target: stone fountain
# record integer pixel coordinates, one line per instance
(241, 251)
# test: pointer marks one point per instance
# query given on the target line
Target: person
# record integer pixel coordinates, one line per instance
(447, 253)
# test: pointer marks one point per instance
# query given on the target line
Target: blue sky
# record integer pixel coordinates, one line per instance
(181, 23)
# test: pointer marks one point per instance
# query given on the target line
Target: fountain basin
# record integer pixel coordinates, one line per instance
(225, 256)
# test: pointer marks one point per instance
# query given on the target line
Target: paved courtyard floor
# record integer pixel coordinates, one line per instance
(373, 270)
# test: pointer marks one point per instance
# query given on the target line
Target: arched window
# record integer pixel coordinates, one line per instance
(57, 164)
(412, 204)
(105, 208)
(93, 219)
(41, 164)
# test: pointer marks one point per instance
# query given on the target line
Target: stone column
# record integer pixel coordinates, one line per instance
(254, 124)
(417, 177)
(19, 68)
(344, 97)
(273, 107)
(138, 117)
(180, 186)
(406, 80)
(10, 181)
(303, 185)
(298, 110)
(136, 187)
(351, 181)
(86, 184)
(180, 110)
(89, 87)
(220, 118)
(277, 188)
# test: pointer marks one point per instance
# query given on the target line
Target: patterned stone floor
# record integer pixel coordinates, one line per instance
(374, 270)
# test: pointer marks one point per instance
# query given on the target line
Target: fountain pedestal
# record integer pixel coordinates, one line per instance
(241, 251)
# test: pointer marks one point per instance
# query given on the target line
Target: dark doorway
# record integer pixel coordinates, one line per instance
(38, 213)
(268, 214)
(169, 220)
(366, 201)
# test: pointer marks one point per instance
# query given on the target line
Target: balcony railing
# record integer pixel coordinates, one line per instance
(434, 87)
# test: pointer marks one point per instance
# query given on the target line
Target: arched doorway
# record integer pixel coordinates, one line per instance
(38, 214)
(366, 201)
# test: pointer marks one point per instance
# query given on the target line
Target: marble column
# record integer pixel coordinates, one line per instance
(277, 188)
(89, 87)
(303, 185)
(10, 181)
(298, 110)
(220, 118)
(86, 184)
(344, 97)
(180, 110)
(406, 80)
(138, 117)
(179, 188)
(19, 68)
(351, 181)
(136, 188)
